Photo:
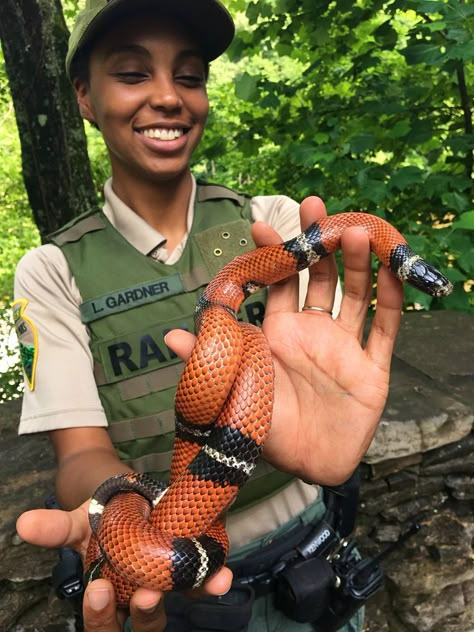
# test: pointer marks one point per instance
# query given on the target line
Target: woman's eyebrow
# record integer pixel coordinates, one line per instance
(191, 52)
(127, 48)
(144, 52)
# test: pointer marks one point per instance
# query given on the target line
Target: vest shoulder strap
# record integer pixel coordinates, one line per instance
(78, 227)
(208, 191)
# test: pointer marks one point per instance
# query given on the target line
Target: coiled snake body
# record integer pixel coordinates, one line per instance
(173, 538)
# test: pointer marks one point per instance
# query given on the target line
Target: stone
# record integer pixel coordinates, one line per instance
(430, 398)
(58, 616)
(419, 488)
(462, 487)
(27, 469)
(373, 488)
(447, 530)
(451, 452)
(408, 510)
(417, 568)
(440, 344)
(387, 533)
(419, 416)
(26, 563)
(391, 466)
(424, 615)
(461, 465)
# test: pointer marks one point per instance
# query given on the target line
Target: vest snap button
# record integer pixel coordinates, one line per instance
(225, 235)
(243, 242)
(218, 252)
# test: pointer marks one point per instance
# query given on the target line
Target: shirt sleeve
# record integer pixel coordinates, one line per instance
(60, 390)
(282, 213)
(278, 211)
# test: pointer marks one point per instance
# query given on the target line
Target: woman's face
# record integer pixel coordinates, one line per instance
(147, 94)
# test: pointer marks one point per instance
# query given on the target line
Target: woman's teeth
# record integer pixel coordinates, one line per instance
(163, 134)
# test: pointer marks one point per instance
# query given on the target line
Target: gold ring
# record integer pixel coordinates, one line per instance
(313, 308)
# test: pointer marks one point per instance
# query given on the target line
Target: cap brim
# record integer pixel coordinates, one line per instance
(209, 22)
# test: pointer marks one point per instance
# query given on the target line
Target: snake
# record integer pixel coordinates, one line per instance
(172, 536)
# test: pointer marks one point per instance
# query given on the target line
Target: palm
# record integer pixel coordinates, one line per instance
(329, 396)
(329, 390)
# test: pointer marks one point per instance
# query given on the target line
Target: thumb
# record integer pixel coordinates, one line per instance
(181, 342)
(99, 609)
(55, 528)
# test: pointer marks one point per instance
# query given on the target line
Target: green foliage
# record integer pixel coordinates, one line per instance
(365, 103)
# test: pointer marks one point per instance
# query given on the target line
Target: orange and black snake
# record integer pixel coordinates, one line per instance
(173, 537)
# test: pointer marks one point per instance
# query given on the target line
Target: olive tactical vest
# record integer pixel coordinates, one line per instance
(130, 301)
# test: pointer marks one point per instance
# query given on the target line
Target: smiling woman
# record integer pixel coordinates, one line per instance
(146, 93)
(110, 296)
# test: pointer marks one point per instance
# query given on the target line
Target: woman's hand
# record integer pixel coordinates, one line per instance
(56, 528)
(330, 390)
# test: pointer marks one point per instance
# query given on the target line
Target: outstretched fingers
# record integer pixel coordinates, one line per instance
(386, 321)
(357, 280)
(323, 275)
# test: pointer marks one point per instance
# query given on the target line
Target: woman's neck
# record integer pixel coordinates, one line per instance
(163, 205)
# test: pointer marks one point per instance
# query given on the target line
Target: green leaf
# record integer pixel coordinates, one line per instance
(423, 54)
(455, 275)
(246, 87)
(362, 142)
(465, 221)
(456, 201)
(464, 51)
(374, 190)
(400, 129)
(386, 36)
(335, 205)
(425, 6)
(405, 177)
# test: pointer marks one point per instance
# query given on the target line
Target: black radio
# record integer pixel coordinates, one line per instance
(328, 580)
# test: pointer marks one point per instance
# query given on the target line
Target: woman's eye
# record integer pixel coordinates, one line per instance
(131, 77)
(190, 80)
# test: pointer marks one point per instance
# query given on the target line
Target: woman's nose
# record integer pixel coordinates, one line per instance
(165, 95)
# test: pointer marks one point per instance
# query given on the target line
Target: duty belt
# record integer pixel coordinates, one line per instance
(259, 568)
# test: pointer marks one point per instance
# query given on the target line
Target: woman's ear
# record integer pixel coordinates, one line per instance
(83, 100)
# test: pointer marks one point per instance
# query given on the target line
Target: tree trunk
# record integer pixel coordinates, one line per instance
(56, 168)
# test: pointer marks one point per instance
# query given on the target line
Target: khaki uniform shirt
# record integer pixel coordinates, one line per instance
(63, 393)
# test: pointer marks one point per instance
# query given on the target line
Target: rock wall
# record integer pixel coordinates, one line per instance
(420, 468)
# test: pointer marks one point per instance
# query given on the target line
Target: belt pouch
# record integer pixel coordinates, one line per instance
(228, 613)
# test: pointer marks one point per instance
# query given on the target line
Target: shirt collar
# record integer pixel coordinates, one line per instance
(135, 229)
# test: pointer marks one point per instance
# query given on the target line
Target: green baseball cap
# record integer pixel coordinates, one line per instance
(209, 21)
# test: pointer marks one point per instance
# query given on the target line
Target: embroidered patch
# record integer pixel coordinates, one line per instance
(28, 341)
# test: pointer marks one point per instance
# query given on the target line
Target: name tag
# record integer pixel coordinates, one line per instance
(129, 298)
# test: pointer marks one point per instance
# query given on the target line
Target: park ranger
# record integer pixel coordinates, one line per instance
(93, 308)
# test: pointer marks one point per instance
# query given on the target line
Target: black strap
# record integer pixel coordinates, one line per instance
(264, 559)
(228, 613)
(341, 504)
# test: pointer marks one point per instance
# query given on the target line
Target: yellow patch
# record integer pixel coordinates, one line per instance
(28, 340)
